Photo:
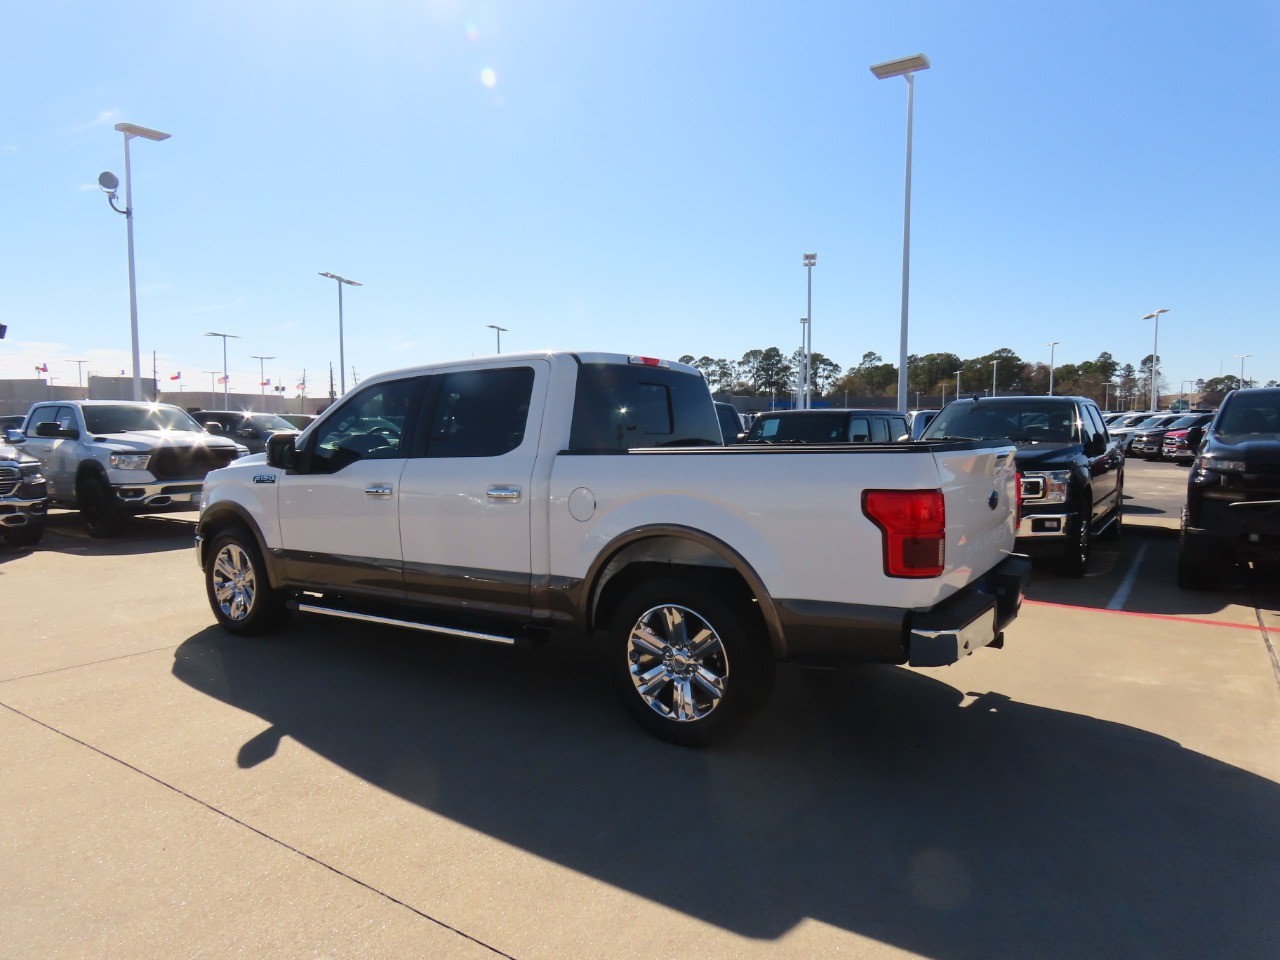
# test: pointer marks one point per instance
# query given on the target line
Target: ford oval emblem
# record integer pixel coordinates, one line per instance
(994, 500)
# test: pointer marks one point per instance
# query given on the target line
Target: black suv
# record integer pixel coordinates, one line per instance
(1233, 494)
(828, 425)
(1072, 470)
(250, 429)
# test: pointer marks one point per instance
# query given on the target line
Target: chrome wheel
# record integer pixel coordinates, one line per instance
(235, 583)
(678, 663)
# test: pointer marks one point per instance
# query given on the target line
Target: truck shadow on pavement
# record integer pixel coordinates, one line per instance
(879, 801)
(65, 532)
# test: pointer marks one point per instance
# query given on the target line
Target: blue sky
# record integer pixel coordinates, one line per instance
(639, 177)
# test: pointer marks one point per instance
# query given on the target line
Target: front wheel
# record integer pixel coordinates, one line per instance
(99, 508)
(238, 587)
(689, 662)
(1076, 561)
(25, 536)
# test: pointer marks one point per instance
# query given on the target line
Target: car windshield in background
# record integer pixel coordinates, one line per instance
(1034, 421)
(269, 421)
(121, 419)
(1256, 414)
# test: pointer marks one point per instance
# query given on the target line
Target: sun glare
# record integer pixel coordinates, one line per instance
(488, 78)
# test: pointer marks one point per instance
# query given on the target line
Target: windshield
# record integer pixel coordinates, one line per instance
(811, 428)
(125, 417)
(1030, 422)
(269, 421)
(1259, 413)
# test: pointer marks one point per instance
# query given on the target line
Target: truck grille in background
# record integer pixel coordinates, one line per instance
(10, 477)
(188, 463)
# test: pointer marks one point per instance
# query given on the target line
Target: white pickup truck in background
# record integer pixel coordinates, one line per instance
(503, 498)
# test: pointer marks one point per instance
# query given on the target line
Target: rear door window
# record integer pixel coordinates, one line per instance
(621, 406)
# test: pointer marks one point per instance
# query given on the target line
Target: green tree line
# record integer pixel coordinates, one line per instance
(770, 372)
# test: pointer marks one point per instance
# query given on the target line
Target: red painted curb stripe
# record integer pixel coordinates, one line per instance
(1147, 616)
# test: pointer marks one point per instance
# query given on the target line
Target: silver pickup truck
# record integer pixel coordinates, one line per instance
(115, 458)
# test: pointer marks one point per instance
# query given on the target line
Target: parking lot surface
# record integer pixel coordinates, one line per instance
(1108, 785)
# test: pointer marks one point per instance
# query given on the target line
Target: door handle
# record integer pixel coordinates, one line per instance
(378, 491)
(508, 493)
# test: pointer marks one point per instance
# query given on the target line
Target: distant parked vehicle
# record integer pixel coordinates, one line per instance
(11, 421)
(829, 426)
(730, 422)
(1147, 442)
(920, 419)
(1124, 435)
(1181, 445)
(251, 429)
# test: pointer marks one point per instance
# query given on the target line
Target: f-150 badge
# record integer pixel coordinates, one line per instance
(271, 478)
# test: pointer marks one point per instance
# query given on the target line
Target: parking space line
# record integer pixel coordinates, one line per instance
(1197, 621)
(1126, 585)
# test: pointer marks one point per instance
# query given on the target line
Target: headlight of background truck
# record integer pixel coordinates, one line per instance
(1045, 486)
(130, 461)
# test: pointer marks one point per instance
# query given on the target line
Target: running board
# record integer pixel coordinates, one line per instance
(409, 624)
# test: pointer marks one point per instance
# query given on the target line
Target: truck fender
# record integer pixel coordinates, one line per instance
(228, 513)
(602, 571)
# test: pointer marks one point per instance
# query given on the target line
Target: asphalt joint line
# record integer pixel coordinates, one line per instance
(261, 833)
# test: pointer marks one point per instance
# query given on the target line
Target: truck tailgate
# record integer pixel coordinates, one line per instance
(980, 492)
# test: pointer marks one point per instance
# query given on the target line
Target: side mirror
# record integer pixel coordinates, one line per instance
(214, 427)
(14, 435)
(280, 450)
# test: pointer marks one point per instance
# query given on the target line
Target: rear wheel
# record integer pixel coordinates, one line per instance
(99, 508)
(689, 662)
(238, 587)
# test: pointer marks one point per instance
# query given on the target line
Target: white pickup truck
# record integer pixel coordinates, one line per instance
(503, 498)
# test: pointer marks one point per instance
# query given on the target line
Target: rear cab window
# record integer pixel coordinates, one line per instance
(621, 406)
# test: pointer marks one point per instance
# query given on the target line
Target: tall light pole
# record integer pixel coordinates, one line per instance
(109, 182)
(79, 371)
(499, 331)
(802, 378)
(1155, 355)
(1051, 344)
(994, 366)
(342, 357)
(226, 385)
(262, 377)
(957, 384)
(810, 259)
(1242, 357)
(905, 67)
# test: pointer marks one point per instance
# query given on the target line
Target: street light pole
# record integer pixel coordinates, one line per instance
(79, 371)
(342, 358)
(957, 384)
(803, 376)
(1242, 357)
(499, 331)
(994, 367)
(109, 182)
(1051, 344)
(809, 260)
(905, 67)
(1155, 355)
(262, 377)
(226, 385)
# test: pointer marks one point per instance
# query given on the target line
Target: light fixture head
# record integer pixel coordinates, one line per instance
(810, 259)
(108, 182)
(1155, 313)
(334, 276)
(900, 67)
(133, 130)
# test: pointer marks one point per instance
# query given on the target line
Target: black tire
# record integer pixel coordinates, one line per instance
(25, 536)
(99, 508)
(1076, 561)
(238, 585)
(698, 687)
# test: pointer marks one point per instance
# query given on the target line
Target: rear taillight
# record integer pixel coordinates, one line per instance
(913, 530)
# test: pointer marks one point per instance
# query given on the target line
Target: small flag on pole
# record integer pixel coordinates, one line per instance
(43, 368)
(265, 383)
(222, 379)
(177, 376)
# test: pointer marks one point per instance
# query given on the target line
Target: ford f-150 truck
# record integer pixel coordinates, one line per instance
(500, 499)
(114, 458)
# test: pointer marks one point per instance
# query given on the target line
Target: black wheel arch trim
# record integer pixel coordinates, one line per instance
(218, 517)
(768, 609)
